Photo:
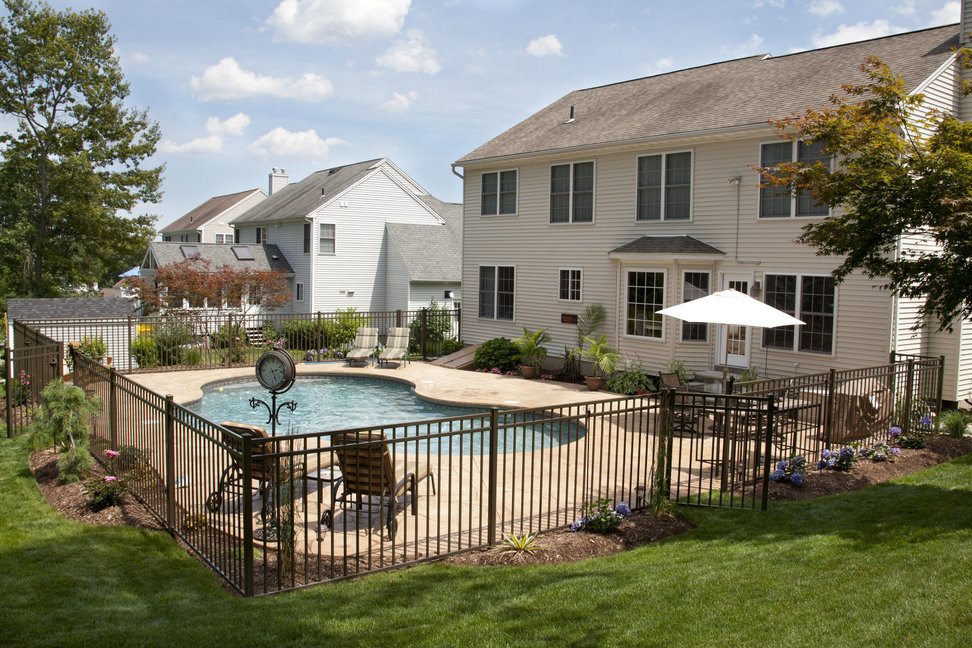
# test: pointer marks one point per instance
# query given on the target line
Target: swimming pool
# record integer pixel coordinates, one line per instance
(328, 403)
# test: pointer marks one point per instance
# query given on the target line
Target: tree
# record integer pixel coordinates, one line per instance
(903, 170)
(73, 167)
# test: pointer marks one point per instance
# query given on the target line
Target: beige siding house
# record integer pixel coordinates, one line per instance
(643, 194)
(210, 221)
(363, 235)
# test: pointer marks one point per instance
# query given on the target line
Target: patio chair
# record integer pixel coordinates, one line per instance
(363, 346)
(396, 348)
(368, 471)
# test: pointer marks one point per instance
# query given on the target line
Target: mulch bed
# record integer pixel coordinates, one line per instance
(864, 473)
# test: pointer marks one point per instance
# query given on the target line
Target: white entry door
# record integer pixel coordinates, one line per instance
(734, 341)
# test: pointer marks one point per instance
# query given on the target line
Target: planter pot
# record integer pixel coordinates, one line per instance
(594, 383)
(528, 372)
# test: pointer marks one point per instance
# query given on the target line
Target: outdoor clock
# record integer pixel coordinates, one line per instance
(276, 371)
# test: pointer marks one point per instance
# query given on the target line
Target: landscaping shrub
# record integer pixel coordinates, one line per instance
(630, 381)
(145, 352)
(599, 517)
(954, 423)
(499, 353)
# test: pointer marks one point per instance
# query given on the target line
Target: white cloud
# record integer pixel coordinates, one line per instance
(747, 48)
(337, 22)
(198, 146)
(399, 102)
(413, 54)
(305, 145)
(227, 80)
(548, 45)
(947, 14)
(234, 125)
(856, 32)
(825, 7)
(664, 64)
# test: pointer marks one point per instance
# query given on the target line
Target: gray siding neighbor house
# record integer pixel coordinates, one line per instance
(362, 235)
(643, 194)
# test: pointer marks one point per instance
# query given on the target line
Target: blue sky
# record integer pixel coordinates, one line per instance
(240, 87)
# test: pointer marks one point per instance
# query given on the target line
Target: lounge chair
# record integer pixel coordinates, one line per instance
(364, 345)
(368, 471)
(396, 348)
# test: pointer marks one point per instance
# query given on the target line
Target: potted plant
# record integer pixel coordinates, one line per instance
(532, 351)
(603, 359)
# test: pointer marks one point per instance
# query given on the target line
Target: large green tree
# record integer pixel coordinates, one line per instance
(902, 172)
(74, 167)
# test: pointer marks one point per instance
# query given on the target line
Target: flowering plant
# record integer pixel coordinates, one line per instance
(793, 471)
(841, 459)
(599, 517)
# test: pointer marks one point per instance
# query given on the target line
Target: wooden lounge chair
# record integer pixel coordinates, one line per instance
(363, 346)
(396, 348)
(368, 471)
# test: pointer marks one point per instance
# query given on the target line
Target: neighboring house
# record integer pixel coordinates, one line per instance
(642, 194)
(363, 235)
(238, 257)
(210, 221)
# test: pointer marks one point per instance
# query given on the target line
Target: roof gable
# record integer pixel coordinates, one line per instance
(746, 92)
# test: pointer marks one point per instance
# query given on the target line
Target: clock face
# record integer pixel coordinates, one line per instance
(274, 371)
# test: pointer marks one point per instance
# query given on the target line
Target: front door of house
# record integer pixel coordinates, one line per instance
(735, 340)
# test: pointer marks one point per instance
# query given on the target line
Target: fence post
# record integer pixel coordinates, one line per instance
(493, 446)
(112, 409)
(941, 384)
(247, 461)
(424, 320)
(170, 507)
(768, 449)
(8, 384)
(909, 397)
(829, 406)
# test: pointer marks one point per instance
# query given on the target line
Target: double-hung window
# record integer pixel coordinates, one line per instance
(694, 286)
(572, 193)
(646, 296)
(806, 297)
(497, 285)
(665, 187)
(327, 243)
(498, 193)
(570, 284)
(777, 201)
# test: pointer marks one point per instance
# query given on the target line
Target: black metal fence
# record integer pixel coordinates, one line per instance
(197, 339)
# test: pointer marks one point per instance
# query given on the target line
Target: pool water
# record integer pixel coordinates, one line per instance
(329, 403)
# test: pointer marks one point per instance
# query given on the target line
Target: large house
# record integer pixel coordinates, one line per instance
(643, 194)
(210, 221)
(363, 235)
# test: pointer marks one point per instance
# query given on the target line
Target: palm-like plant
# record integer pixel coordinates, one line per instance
(532, 351)
(603, 358)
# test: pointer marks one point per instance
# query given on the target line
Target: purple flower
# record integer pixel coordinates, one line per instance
(622, 509)
(796, 479)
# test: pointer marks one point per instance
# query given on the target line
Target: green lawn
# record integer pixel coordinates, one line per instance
(891, 565)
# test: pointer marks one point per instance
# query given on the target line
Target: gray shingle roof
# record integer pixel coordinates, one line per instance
(301, 198)
(666, 245)
(67, 308)
(265, 257)
(206, 212)
(432, 252)
(743, 92)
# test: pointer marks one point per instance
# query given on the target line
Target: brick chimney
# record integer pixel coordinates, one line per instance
(278, 180)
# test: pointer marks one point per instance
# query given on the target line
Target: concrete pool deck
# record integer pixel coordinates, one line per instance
(440, 384)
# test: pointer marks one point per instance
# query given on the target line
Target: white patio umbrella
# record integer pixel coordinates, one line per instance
(731, 307)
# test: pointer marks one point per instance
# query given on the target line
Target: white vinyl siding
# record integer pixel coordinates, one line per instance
(665, 187)
(645, 292)
(569, 284)
(572, 193)
(498, 193)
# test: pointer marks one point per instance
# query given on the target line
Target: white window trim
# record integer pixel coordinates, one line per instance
(796, 336)
(571, 269)
(681, 329)
(516, 280)
(319, 252)
(624, 322)
(664, 155)
(793, 195)
(516, 208)
(571, 164)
